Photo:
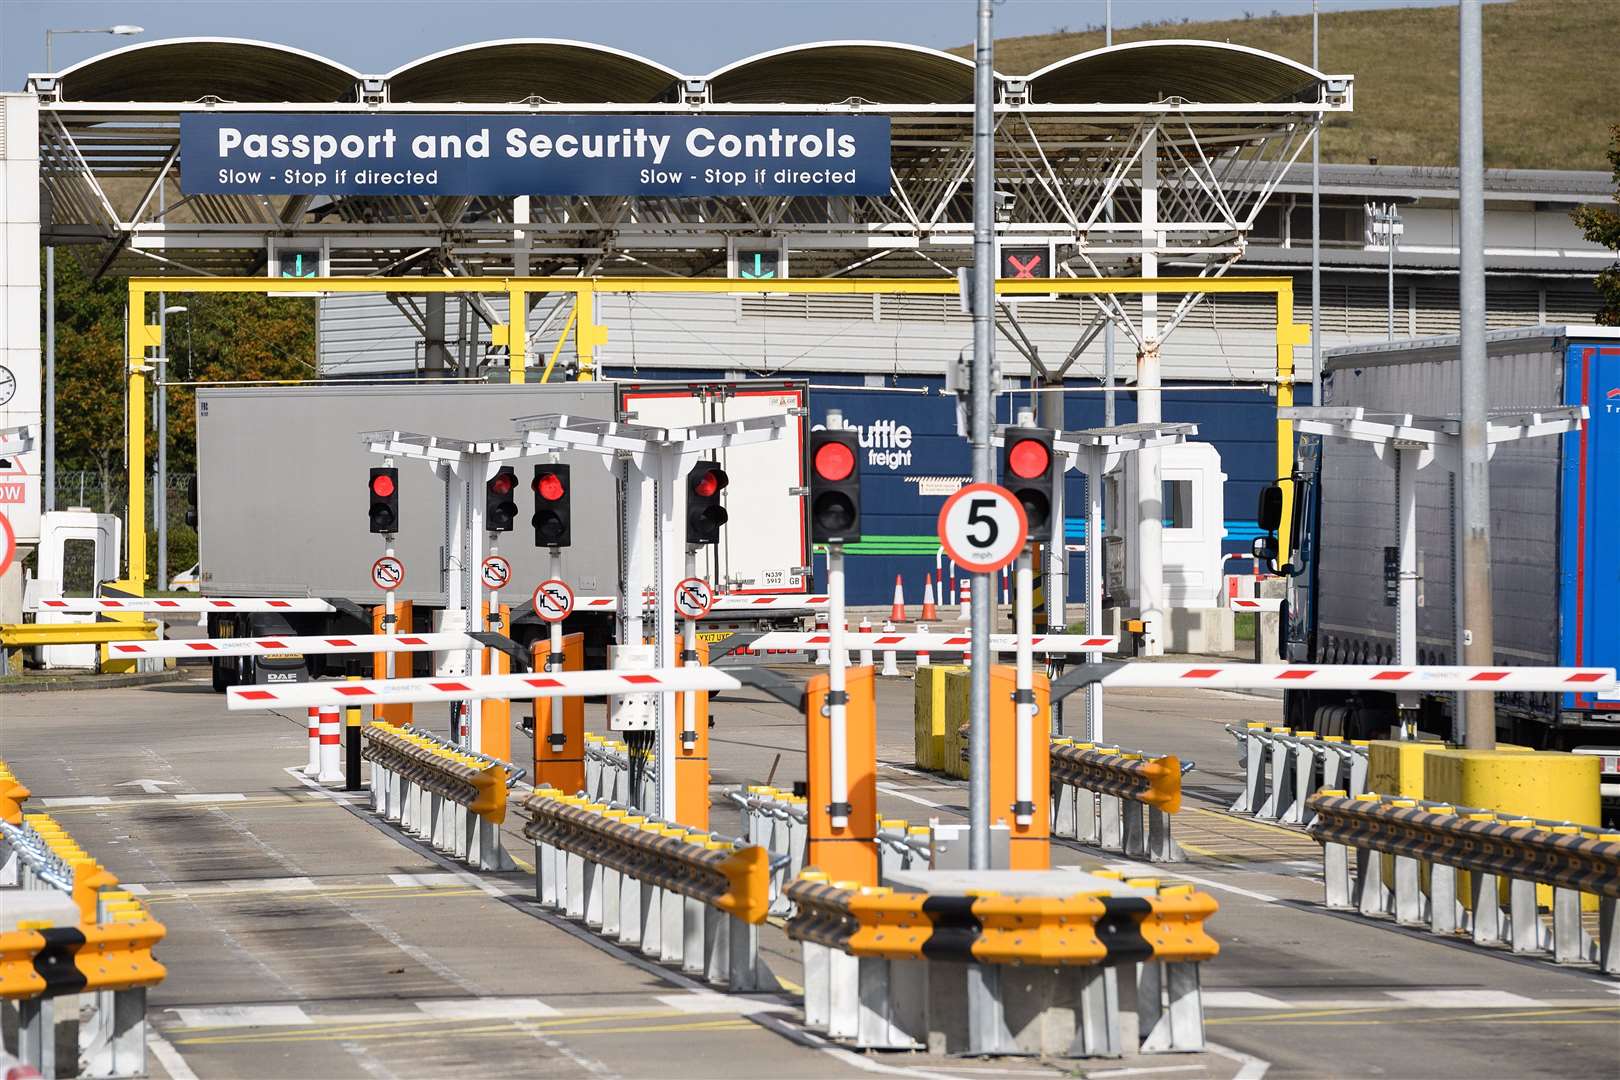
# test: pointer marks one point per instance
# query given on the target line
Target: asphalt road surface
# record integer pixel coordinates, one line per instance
(304, 939)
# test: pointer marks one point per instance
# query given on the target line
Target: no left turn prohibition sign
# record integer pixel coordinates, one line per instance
(387, 573)
(983, 528)
(553, 600)
(694, 597)
(496, 572)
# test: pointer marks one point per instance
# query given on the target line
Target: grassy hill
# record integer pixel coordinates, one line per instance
(1550, 72)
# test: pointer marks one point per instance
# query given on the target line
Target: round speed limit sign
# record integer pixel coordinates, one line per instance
(983, 528)
(387, 573)
(553, 600)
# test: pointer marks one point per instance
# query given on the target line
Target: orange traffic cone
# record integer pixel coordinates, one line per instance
(897, 610)
(929, 612)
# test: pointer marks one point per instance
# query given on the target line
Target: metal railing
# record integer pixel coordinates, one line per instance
(1102, 794)
(1282, 768)
(1452, 864)
(67, 931)
(681, 896)
(453, 799)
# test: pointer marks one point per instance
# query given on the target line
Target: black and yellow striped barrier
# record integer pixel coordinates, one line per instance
(735, 880)
(1100, 972)
(12, 794)
(998, 929)
(468, 780)
(72, 932)
(1452, 865)
(680, 895)
(452, 798)
(1101, 795)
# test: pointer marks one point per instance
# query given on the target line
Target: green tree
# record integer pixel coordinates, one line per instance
(1602, 226)
(220, 338)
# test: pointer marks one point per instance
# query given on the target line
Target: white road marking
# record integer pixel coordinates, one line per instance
(1241, 999)
(487, 1008)
(427, 881)
(239, 1016)
(704, 1001)
(135, 890)
(77, 800)
(1160, 871)
(1462, 999)
(281, 884)
(226, 796)
(168, 1057)
(1145, 1071)
(891, 789)
(1249, 1068)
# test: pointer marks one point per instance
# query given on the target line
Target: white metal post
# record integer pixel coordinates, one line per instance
(390, 611)
(1094, 460)
(690, 656)
(554, 660)
(1406, 465)
(669, 538)
(837, 734)
(1024, 698)
(1150, 487)
(475, 476)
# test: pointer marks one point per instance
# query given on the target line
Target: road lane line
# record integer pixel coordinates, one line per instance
(241, 1016)
(487, 1009)
(900, 793)
(168, 1057)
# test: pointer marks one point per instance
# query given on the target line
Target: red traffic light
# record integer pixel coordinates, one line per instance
(550, 487)
(1029, 458)
(502, 483)
(834, 461)
(382, 485)
(707, 484)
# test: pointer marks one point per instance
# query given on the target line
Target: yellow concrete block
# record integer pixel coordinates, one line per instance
(1537, 784)
(957, 692)
(928, 690)
(1514, 780)
(1396, 768)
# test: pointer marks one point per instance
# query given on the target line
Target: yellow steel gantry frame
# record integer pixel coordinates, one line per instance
(144, 335)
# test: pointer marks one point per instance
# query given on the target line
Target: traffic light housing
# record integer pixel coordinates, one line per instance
(835, 487)
(553, 519)
(500, 502)
(704, 514)
(383, 490)
(1029, 470)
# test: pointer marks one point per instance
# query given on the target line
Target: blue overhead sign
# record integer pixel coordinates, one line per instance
(301, 154)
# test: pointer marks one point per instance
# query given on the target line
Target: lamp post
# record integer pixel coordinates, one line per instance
(160, 504)
(121, 30)
(49, 479)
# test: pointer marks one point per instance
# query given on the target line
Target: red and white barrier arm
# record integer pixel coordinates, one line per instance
(467, 687)
(189, 604)
(1050, 644)
(1361, 677)
(732, 603)
(309, 645)
(1254, 603)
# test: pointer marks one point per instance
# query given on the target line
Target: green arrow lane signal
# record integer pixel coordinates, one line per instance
(759, 270)
(298, 267)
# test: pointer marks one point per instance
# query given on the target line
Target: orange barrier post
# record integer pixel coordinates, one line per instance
(1031, 845)
(692, 757)
(403, 663)
(559, 761)
(495, 716)
(848, 854)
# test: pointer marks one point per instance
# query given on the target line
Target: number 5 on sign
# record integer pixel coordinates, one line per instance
(983, 528)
